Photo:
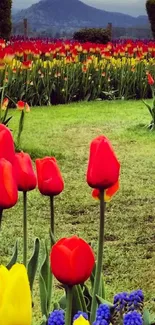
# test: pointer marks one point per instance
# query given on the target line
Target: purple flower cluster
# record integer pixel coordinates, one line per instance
(121, 301)
(136, 299)
(124, 302)
(103, 315)
(133, 318)
(79, 313)
(57, 317)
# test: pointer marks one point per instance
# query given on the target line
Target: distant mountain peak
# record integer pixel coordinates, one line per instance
(73, 13)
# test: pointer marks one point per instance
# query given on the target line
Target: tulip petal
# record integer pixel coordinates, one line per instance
(103, 167)
(4, 276)
(17, 305)
(71, 243)
(81, 321)
(82, 262)
(60, 263)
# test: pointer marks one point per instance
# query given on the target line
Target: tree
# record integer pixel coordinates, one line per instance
(5, 18)
(150, 8)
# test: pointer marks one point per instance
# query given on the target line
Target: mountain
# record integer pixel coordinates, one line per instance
(73, 13)
(14, 10)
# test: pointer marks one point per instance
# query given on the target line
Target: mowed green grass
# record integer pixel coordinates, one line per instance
(66, 132)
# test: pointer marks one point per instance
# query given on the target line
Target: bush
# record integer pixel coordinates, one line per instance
(150, 8)
(93, 35)
(5, 19)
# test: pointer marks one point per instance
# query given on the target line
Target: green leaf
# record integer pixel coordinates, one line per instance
(46, 279)
(62, 302)
(92, 277)
(33, 263)
(5, 122)
(14, 256)
(146, 317)
(43, 296)
(87, 298)
(102, 287)
(100, 300)
(148, 106)
(44, 320)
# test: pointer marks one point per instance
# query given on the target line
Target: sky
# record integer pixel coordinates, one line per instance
(131, 7)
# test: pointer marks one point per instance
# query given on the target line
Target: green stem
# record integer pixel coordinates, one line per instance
(50, 283)
(52, 214)
(25, 228)
(69, 300)
(1, 213)
(99, 259)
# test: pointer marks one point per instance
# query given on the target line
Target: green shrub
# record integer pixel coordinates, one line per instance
(5, 18)
(94, 35)
(150, 8)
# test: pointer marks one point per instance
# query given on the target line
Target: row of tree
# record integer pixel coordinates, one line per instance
(6, 24)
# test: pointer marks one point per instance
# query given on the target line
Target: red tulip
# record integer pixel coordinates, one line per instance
(150, 79)
(50, 181)
(72, 260)
(25, 176)
(7, 150)
(20, 105)
(103, 167)
(8, 187)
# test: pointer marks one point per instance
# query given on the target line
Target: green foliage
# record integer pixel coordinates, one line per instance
(94, 35)
(150, 8)
(64, 83)
(33, 263)
(5, 18)
(45, 283)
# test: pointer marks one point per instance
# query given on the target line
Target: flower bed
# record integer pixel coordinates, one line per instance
(42, 72)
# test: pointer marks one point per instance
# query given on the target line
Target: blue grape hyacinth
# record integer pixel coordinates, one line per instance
(121, 301)
(103, 315)
(79, 313)
(57, 317)
(133, 318)
(136, 299)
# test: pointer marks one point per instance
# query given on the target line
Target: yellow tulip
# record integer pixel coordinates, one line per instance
(15, 296)
(81, 321)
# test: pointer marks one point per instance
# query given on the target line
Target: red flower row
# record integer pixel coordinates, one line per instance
(16, 171)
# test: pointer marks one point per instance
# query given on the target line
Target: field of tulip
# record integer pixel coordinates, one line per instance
(66, 132)
(43, 72)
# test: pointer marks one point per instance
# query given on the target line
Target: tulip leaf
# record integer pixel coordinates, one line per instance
(44, 320)
(33, 263)
(79, 299)
(62, 302)
(87, 298)
(100, 300)
(102, 284)
(146, 317)
(43, 296)
(14, 256)
(102, 287)
(46, 280)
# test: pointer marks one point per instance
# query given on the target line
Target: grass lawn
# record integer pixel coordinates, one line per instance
(66, 131)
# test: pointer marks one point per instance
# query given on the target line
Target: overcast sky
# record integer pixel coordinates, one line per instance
(132, 7)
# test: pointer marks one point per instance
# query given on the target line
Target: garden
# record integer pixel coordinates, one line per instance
(77, 183)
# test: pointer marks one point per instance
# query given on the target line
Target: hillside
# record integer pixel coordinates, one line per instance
(73, 13)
